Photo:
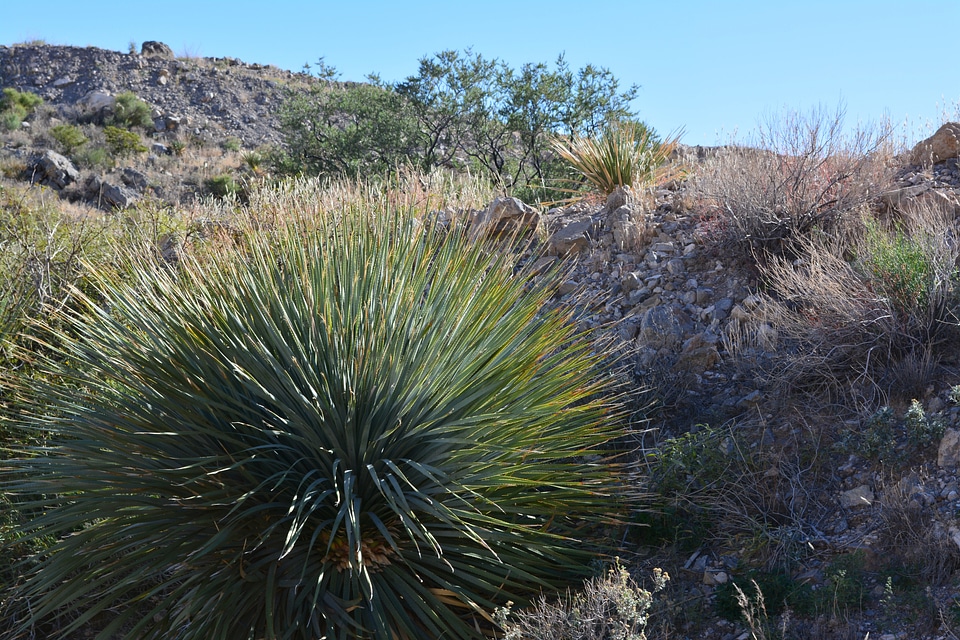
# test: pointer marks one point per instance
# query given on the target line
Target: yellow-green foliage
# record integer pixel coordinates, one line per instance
(626, 154)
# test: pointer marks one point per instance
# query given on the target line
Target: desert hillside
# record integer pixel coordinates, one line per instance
(546, 351)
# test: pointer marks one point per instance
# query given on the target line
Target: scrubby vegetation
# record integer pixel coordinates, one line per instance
(258, 404)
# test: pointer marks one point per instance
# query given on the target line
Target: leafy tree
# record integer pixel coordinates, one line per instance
(348, 129)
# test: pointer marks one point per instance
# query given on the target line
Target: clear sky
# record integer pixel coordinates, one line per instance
(714, 68)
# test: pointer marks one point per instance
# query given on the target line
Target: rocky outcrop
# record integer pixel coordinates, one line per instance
(54, 170)
(506, 216)
(155, 49)
(942, 145)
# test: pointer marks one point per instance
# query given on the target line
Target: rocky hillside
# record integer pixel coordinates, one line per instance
(214, 98)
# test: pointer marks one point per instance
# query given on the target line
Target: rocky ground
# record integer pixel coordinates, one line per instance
(685, 311)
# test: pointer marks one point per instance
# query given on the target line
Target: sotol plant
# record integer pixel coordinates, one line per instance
(626, 153)
(369, 430)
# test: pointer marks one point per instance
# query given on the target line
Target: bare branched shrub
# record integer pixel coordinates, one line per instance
(865, 312)
(802, 172)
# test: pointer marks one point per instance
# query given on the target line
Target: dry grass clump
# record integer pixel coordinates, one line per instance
(865, 313)
(917, 538)
(801, 173)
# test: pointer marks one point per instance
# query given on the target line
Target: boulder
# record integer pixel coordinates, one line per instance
(506, 216)
(109, 194)
(156, 49)
(659, 328)
(97, 100)
(54, 170)
(942, 145)
(948, 455)
(860, 496)
(570, 239)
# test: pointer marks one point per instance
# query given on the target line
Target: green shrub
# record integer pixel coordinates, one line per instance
(232, 144)
(69, 136)
(12, 97)
(121, 142)
(322, 436)
(626, 154)
(92, 157)
(223, 185)
(130, 111)
(15, 106)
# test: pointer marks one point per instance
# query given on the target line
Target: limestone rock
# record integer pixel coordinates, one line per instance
(109, 194)
(660, 328)
(942, 145)
(860, 496)
(571, 238)
(54, 170)
(154, 49)
(948, 455)
(507, 215)
(98, 100)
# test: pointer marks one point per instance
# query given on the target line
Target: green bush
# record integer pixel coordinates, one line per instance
(15, 106)
(92, 157)
(69, 136)
(130, 111)
(223, 185)
(322, 436)
(122, 143)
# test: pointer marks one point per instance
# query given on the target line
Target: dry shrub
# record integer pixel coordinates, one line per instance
(802, 172)
(865, 312)
(612, 607)
(916, 538)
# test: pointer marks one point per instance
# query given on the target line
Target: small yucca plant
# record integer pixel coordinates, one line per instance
(371, 430)
(626, 153)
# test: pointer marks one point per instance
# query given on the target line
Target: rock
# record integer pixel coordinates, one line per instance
(571, 239)
(897, 198)
(948, 455)
(97, 100)
(54, 170)
(63, 82)
(620, 197)
(630, 282)
(659, 328)
(941, 146)
(111, 194)
(860, 496)
(505, 216)
(154, 49)
(699, 354)
(160, 149)
(134, 179)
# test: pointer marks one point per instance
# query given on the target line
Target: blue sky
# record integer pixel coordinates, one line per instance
(714, 68)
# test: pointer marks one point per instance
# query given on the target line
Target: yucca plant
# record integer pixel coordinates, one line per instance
(626, 153)
(370, 429)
